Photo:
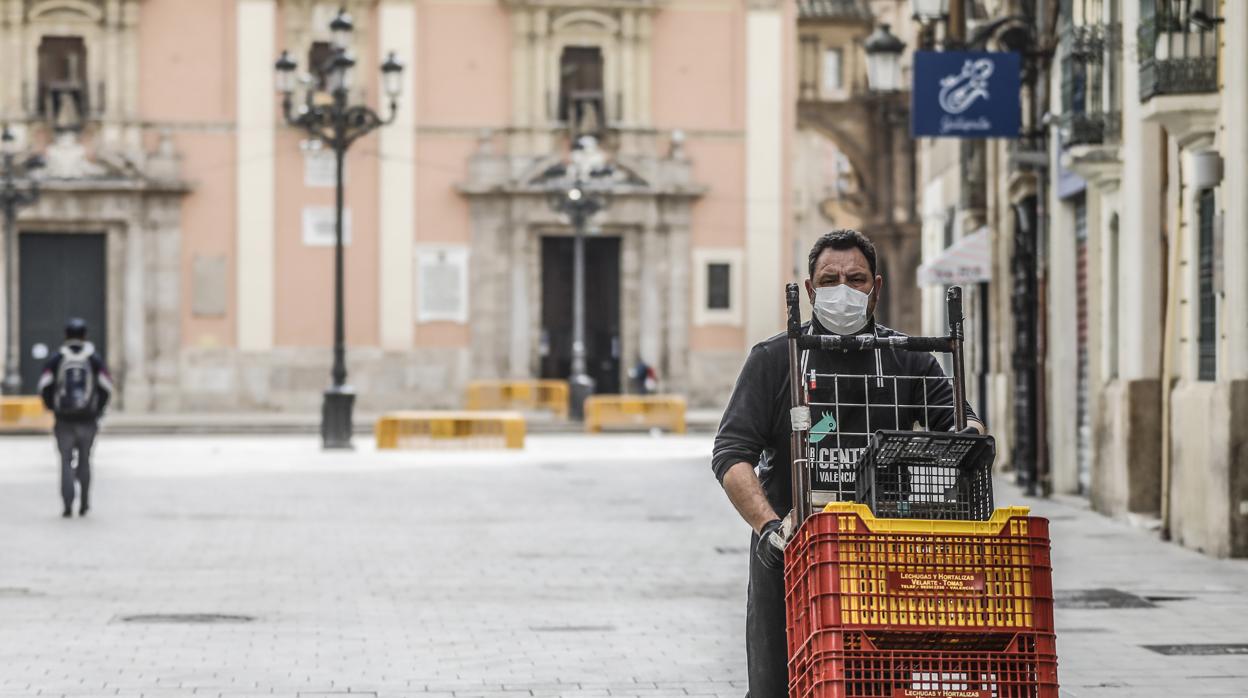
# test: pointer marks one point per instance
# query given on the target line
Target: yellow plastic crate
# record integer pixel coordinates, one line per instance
(635, 411)
(419, 430)
(549, 395)
(23, 413)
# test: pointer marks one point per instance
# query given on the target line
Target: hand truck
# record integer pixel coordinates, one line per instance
(901, 473)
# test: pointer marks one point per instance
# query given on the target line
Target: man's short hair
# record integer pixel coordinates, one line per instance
(843, 239)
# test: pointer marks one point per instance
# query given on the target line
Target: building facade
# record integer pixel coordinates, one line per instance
(1148, 252)
(200, 227)
(1117, 308)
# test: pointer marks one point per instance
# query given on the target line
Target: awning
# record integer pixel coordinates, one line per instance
(967, 261)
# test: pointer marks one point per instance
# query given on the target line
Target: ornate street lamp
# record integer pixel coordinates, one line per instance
(929, 10)
(337, 124)
(578, 190)
(884, 51)
(17, 189)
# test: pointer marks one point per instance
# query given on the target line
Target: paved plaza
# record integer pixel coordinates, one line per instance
(608, 566)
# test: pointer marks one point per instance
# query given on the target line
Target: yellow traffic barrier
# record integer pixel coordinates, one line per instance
(549, 395)
(420, 430)
(635, 411)
(23, 413)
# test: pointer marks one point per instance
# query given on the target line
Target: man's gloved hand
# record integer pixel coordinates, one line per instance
(968, 429)
(770, 547)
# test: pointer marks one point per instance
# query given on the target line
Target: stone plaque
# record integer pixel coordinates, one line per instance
(442, 284)
(318, 226)
(319, 168)
(208, 286)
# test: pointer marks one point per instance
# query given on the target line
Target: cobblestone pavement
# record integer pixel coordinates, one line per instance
(607, 566)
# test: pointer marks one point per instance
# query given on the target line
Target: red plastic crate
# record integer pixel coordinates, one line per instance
(858, 664)
(847, 570)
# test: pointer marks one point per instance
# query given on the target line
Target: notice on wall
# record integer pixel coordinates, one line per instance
(318, 226)
(319, 167)
(442, 284)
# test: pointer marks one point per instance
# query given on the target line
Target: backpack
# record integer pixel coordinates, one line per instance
(75, 385)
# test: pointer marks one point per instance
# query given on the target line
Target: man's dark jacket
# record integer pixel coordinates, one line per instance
(756, 425)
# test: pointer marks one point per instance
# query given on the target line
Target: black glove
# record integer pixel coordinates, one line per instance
(770, 546)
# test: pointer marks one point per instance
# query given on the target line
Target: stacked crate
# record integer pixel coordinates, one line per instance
(907, 608)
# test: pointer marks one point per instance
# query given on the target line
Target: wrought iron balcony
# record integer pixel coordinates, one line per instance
(1089, 68)
(1089, 128)
(1178, 51)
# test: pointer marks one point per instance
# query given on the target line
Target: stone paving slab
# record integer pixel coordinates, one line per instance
(581, 566)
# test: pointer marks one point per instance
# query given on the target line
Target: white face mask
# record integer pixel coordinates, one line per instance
(841, 309)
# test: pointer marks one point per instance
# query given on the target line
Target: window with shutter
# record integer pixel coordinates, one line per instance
(718, 286)
(1207, 338)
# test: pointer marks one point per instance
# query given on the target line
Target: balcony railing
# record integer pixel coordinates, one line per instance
(1095, 128)
(1178, 51)
(1090, 68)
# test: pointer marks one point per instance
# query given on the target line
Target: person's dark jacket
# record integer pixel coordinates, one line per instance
(756, 426)
(103, 381)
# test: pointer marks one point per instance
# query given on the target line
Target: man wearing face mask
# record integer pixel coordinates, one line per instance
(752, 458)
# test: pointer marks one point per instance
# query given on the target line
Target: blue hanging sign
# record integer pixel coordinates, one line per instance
(964, 94)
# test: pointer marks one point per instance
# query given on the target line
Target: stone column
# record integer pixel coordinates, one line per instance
(520, 306)
(127, 77)
(676, 218)
(650, 334)
(136, 388)
(162, 303)
(489, 287)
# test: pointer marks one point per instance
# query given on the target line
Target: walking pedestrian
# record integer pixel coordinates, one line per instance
(752, 458)
(76, 388)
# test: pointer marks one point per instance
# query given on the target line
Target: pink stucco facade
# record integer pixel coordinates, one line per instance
(677, 82)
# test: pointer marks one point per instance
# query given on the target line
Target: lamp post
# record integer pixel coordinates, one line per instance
(17, 189)
(883, 51)
(884, 81)
(576, 190)
(339, 125)
(1020, 34)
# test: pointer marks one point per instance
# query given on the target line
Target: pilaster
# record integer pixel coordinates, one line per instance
(254, 173)
(397, 27)
(764, 89)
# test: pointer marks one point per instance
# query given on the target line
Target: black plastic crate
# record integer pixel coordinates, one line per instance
(927, 475)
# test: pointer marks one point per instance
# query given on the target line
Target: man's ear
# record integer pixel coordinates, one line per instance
(810, 291)
(879, 285)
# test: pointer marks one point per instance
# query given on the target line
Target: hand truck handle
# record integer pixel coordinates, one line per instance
(953, 297)
(793, 302)
(862, 342)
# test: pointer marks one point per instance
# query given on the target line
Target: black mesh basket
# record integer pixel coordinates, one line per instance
(927, 475)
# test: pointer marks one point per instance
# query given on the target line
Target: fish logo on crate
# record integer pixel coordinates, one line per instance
(823, 429)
